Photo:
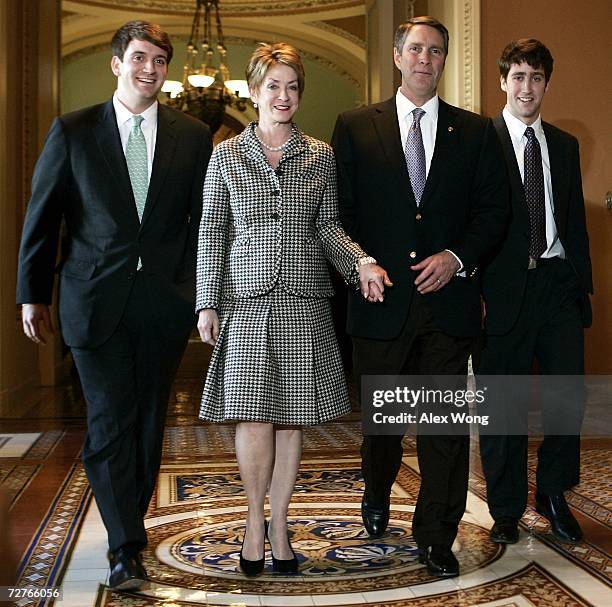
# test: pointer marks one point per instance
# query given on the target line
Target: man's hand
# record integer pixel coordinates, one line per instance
(435, 272)
(32, 315)
(372, 282)
(208, 326)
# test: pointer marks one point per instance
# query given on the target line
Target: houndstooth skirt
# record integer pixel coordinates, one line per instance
(276, 360)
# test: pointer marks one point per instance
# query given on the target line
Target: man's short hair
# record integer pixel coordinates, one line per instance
(402, 31)
(528, 50)
(140, 30)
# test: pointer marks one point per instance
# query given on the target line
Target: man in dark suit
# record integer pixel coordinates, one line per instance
(421, 189)
(126, 178)
(536, 292)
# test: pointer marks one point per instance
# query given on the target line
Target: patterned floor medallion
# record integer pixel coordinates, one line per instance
(333, 550)
(201, 550)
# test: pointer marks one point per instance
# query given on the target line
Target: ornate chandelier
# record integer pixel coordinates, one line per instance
(206, 90)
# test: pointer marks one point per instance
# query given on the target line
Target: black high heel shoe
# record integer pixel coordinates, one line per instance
(252, 568)
(286, 566)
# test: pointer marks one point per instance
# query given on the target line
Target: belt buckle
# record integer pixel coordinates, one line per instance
(533, 264)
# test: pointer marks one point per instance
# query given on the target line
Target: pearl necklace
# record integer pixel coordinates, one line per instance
(271, 148)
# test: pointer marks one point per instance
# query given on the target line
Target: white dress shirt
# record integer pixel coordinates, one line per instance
(429, 128)
(517, 128)
(429, 123)
(148, 127)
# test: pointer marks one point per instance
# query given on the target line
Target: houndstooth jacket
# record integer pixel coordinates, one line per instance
(262, 226)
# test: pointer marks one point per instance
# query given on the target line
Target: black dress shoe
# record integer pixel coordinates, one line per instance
(562, 522)
(285, 566)
(440, 561)
(252, 568)
(126, 571)
(375, 519)
(505, 531)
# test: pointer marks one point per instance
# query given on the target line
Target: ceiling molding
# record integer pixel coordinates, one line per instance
(91, 23)
(229, 8)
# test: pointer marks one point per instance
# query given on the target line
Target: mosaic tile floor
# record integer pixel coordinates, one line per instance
(195, 528)
(195, 525)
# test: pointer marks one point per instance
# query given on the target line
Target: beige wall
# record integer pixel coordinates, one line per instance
(578, 101)
(89, 80)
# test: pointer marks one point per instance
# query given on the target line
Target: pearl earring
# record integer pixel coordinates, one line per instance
(255, 104)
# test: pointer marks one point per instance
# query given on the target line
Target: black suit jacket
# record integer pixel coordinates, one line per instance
(505, 277)
(464, 208)
(82, 178)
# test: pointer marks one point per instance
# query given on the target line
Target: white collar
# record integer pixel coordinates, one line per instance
(516, 127)
(124, 115)
(405, 106)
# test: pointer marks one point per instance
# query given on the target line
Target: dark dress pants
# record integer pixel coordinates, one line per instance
(126, 383)
(549, 329)
(443, 460)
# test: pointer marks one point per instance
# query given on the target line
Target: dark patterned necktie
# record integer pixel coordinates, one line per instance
(534, 193)
(415, 155)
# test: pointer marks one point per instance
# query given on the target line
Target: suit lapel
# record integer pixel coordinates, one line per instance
(387, 129)
(446, 138)
(164, 152)
(107, 137)
(513, 170)
(559, 175)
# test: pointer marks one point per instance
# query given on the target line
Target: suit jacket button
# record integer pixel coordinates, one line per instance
(275, 216)
(412, 254)
(418, 217)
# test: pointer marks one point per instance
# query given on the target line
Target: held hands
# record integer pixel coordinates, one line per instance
(435, 272)
(208, 326)
(32, 316)
(372, 282)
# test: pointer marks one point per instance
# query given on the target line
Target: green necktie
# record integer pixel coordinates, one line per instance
(136, 157)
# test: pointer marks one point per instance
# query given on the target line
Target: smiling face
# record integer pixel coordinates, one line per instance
(524, 87)
(140, 75)
(278, 96)
(421, 63)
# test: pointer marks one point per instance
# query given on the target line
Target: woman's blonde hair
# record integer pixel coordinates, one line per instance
(267, 55)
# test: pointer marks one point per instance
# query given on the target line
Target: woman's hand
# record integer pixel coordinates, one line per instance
(372, 282)
(208, 326)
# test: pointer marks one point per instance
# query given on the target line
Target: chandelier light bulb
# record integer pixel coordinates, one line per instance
(174, 87)
(238, 87)
(200, 81)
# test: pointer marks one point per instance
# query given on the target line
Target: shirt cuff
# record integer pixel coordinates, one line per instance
(459, 272)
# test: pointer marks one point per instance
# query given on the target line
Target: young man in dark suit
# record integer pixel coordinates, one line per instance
(125, 177)
(536, 291)
(421, 188)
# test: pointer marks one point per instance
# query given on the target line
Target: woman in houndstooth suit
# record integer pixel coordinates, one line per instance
(269, 221)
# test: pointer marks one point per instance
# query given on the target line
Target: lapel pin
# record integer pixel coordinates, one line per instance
(450, 129)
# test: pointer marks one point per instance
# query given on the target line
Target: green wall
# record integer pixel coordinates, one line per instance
(89, 80)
